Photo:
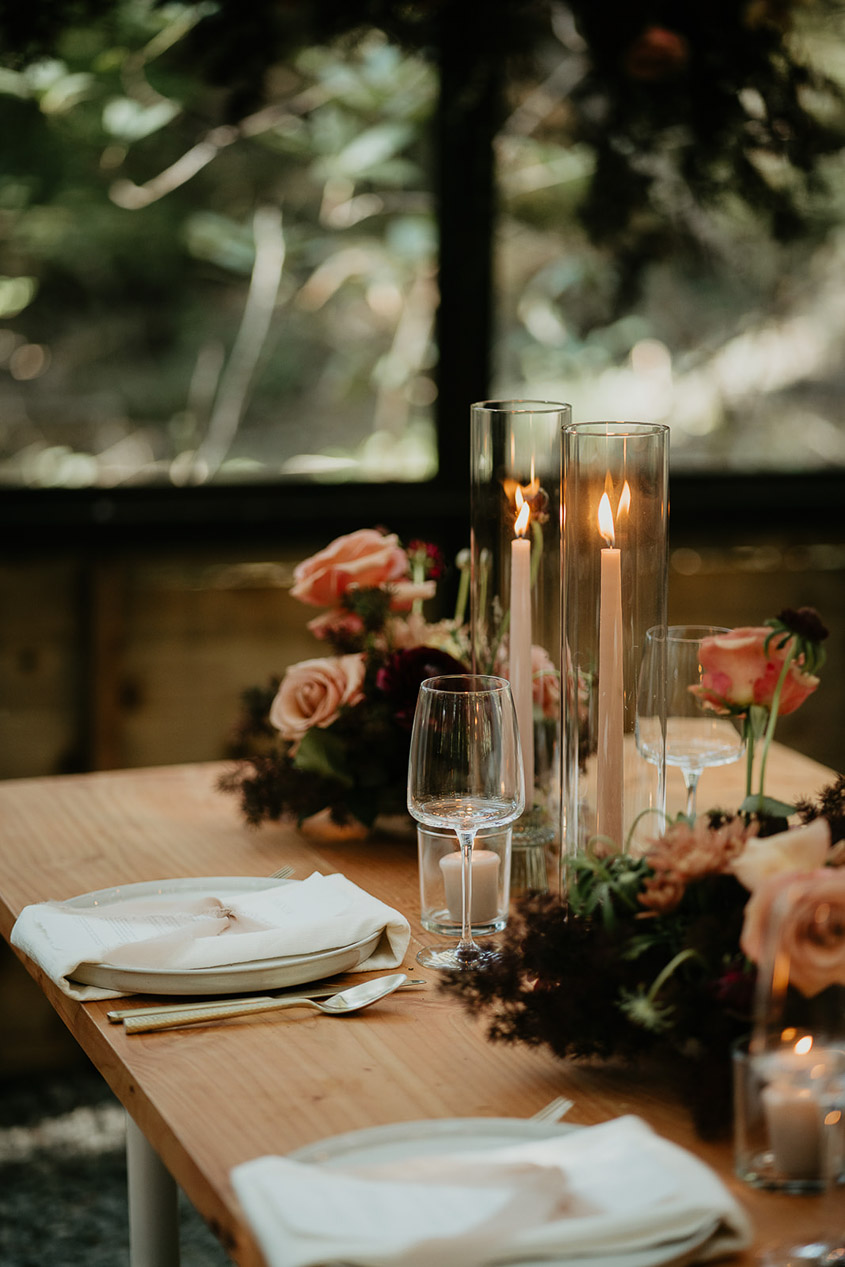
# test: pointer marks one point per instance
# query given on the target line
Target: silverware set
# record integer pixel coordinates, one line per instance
(139, 1020)
(163, 1016)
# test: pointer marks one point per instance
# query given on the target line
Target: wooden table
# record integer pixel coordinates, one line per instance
(210, 1098)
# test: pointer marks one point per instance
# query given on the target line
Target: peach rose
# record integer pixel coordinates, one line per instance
(365, 558)
(811, 908)
(800, 849)
(738, 671)
(312, 693)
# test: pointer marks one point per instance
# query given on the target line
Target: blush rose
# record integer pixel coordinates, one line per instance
(312, 693)
(800, 849)
(811, 908)
(365, 558)
(738, 671)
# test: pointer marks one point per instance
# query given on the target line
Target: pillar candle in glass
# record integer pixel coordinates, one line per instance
(613, 589)
(515, 599)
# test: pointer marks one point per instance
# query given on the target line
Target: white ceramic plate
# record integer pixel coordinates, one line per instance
(379, 1144)
(237, 978)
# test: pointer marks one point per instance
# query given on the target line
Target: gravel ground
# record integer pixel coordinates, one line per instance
(63, 1179)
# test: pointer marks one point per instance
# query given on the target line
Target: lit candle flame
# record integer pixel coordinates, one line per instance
(521, 526)
(606, 521)
(804, 1045)
(624, 501)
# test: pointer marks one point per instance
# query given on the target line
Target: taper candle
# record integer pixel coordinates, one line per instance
(519, 657)
(611, 697)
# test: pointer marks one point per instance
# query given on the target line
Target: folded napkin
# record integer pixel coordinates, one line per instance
(609, 1191)
(180, 932)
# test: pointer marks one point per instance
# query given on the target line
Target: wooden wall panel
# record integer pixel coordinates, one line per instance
(141, 660)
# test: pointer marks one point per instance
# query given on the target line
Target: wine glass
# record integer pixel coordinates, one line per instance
(668, 712)
(465, 773)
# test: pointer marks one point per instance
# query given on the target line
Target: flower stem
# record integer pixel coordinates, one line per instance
(773, 713)
(417, 575)
(463, 587)
(749, 752)
(667, 971)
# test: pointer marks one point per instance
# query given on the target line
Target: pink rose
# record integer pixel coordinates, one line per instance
(799, 849)
(312, 692)
(810, 906)
(366, 558)
(739, 672)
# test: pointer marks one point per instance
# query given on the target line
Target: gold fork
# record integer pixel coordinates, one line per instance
(553, 1111)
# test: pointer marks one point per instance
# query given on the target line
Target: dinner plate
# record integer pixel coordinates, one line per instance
(402, 1140)
(235, 978)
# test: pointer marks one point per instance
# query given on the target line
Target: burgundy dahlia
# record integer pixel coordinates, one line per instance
(403, 673)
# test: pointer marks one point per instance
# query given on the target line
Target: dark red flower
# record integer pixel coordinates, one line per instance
(404, 671)
(657, 54)
(734, 990)
(428, 557)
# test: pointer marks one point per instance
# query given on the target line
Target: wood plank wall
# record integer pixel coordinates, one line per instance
(140, 659)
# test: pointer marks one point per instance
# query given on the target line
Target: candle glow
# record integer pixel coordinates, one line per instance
(605, 517)
(520, 528)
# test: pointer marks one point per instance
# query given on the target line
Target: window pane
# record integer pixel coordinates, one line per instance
(187, 296)
(732, 337)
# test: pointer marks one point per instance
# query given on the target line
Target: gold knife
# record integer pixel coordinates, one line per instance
(162, 1009)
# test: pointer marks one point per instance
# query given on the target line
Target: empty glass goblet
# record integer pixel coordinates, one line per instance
(465, 773)
(694, 737)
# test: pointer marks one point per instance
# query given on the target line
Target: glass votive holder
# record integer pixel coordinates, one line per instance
(440, 881)
(789, 1135)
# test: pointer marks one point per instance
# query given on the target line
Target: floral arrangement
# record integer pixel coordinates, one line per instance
(332, 736)
(658, 951)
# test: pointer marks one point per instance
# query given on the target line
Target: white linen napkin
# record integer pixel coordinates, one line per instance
(608, 1190)
(180, 932)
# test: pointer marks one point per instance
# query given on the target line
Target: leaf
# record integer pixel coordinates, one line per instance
(766, 805)
(321, 752)
(130, 121)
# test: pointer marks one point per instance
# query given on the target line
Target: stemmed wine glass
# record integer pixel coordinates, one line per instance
(694, 736)
(465, 773)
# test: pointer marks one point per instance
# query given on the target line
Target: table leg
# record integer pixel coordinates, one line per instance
(153, 1204)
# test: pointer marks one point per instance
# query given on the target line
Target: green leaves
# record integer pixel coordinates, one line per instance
(323, 753)
(765, 806)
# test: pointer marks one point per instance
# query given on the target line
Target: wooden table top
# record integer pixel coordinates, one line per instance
(215, 1096)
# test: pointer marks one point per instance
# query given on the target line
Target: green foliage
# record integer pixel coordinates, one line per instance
(130, 178)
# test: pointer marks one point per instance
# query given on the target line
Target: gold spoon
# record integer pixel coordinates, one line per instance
(351, 1000)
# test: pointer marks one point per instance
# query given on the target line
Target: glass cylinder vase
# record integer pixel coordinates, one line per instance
(613, 589)
(515, 600)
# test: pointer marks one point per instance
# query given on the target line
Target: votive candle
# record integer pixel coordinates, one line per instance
(484, 894)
